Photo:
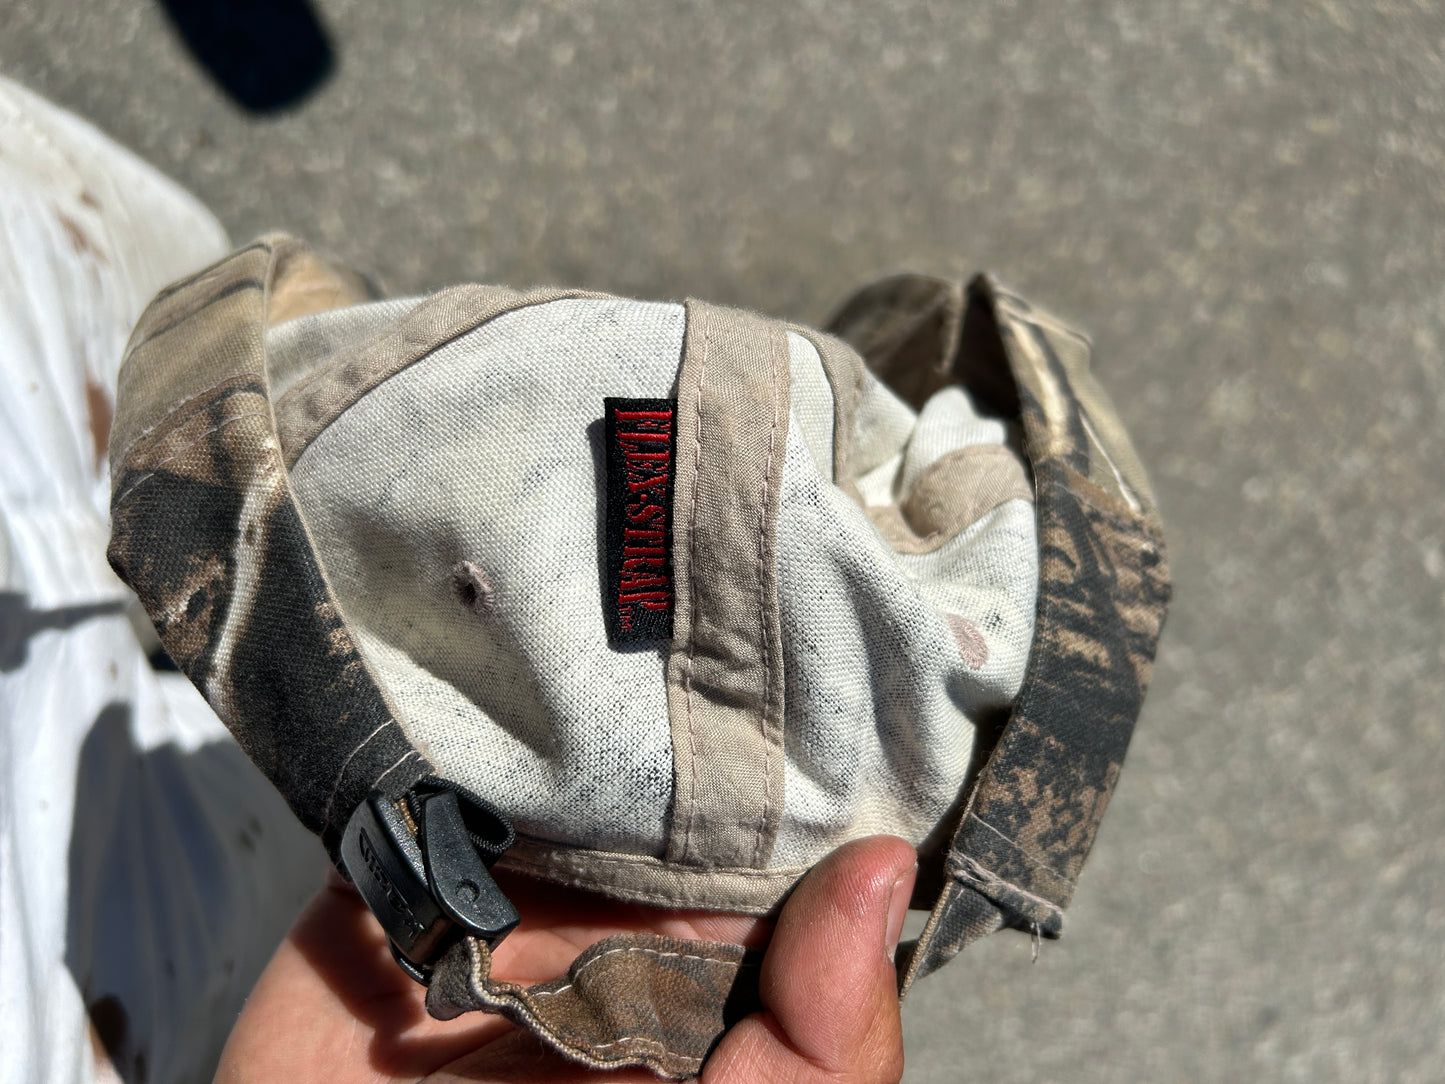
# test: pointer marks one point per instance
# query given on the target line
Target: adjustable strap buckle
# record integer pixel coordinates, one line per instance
(422, 864)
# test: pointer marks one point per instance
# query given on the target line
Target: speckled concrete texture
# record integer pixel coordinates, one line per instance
(1242, 201)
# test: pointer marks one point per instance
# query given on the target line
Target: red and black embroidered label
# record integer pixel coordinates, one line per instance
(640, 442)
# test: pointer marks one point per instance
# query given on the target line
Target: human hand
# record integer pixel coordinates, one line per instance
(333, 1006)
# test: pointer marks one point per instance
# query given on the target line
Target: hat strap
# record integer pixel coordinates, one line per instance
(635, 999)
(1031, 818)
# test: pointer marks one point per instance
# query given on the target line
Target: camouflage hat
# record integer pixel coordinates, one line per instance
(664, 601)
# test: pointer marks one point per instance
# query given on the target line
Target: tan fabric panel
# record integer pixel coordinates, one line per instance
(962, 487)
(641, 877)
(315, 401)
(725, 673)
(953, 493)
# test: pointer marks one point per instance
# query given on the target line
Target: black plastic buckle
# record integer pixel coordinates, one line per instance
(431, 886)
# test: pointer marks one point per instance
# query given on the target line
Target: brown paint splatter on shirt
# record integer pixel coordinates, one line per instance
(79, 240)
(98, 412)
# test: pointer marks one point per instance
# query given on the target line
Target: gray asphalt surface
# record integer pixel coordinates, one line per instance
(1242, 202)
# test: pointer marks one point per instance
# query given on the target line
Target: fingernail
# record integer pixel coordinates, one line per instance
(897, 912)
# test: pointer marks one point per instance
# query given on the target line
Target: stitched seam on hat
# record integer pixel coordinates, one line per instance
(155, 468)
(526, 1002)
(1042, 318)
(340, 772)
(236, 384)
(404, 758)
(656, 1043)
(316, 382)
(763, 611)
(972, 872)
(828, 348)
(1124, 486)
(733, 964)
(1130, 523)
(693, 900)
(692, 591)
(546, 850)
(1035, 859)
(585, 1046)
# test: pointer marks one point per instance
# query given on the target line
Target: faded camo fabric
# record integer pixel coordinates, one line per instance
(631, 1000)
(1032, 815)
(206, 531)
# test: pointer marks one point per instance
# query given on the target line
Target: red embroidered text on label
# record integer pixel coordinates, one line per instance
(646, 580)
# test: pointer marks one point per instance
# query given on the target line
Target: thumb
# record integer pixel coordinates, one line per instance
(828, 985)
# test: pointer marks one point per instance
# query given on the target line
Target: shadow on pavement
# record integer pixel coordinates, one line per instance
(266, 54)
